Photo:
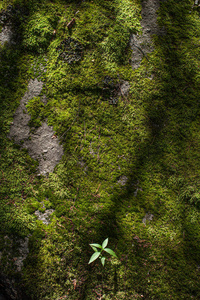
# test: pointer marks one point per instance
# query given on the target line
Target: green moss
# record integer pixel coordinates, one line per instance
(38, 32)
(121, 161)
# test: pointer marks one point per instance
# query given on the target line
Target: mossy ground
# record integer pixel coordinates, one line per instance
(151, 136)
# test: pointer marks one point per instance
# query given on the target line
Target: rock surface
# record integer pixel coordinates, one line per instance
(142, 44)
(122, 180)
(23, 251)
(43, 144)
(6, 35)
(44, 217)
(147, 217)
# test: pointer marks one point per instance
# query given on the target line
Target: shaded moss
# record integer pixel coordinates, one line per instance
(121, 161)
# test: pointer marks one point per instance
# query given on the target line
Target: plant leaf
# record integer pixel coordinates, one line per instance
(103, 260)
(96, 245)
(94, 248)
(111, 252)
(105, 243)
(94, 256)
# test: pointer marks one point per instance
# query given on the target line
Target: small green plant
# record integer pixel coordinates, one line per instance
(98, 253)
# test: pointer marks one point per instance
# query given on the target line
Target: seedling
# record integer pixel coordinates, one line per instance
(98, 253)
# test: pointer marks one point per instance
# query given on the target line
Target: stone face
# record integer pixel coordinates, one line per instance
(123, 180)
(142, 44)
(44, 217)
(6, 35)
(15, 251)
(124, 89)
(40, 145)
(44, 148)
(11, 19)
(147, 217)
(19, 130)
(23, 250)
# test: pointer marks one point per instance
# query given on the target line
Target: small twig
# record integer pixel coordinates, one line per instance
(71, 23)
(98, 188)
(99, 295)
(141, 51)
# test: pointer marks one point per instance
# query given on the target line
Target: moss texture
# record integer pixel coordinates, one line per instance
(147, 142)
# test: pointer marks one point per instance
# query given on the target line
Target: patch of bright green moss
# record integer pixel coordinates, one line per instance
(150, 137)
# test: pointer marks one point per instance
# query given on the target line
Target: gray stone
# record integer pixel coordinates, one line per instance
(124, 89)
(42, 145)
(142, 44)
(6, 35)
(44, 217)
(122, 180)
(19, 255)
(23, 251)
(147, 217)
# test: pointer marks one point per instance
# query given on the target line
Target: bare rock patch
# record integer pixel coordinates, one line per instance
(42, 145)
(122, 180)
(44, 217)
(148, 217)
(142, 44)
(23, 252)
(6, 35)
